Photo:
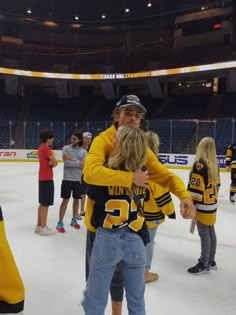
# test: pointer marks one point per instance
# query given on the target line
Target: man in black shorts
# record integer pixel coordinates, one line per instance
(47, 162)
(73, 156)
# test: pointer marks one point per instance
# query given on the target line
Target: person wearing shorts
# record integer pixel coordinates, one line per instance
(73, 156)
(47, 161)
(84, 143)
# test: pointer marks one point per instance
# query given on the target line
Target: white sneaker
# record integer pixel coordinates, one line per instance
(37, 229)
(78, 217)
(45, 231)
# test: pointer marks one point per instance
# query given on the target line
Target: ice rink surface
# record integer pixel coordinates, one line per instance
(52, 268)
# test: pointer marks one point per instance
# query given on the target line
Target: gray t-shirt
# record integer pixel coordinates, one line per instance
(72, 169)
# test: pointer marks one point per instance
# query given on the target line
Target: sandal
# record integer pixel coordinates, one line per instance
(151, 277)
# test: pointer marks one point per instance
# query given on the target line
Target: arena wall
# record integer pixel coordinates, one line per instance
(180, 161)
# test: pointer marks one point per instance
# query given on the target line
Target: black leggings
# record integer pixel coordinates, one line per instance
(117, 284)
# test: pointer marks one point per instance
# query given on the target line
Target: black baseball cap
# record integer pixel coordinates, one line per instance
(129, 100)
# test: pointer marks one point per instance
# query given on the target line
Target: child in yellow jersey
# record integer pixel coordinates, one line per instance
(203, 185)
(157, 204)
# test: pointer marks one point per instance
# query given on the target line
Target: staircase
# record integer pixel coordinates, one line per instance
(214, 106)
(160, 109)
(205, 128)
(22, 118)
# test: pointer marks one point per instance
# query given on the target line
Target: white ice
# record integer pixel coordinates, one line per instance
(52, 268)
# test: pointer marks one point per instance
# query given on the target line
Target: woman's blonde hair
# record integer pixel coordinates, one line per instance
(153, 141)
(129, 149)
(206, 150)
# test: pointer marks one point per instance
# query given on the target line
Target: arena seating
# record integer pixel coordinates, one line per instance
(180, 124)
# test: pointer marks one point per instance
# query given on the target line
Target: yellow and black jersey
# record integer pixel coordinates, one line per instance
(12, 292)
(114, 207)
(157, 204)
(230, 157)
(230, 160)
(204, 193)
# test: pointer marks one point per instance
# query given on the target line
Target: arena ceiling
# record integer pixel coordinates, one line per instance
(91, 11)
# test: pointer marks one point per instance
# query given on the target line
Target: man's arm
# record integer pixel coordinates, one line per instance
(53, 161)
(160, 174)
(94, 170)
(187, 209)
(70, 161)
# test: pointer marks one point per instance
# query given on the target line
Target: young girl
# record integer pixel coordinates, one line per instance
(157, 204)
(203, 185)
(119, 228)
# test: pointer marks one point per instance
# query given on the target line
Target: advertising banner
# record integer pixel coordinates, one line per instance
(183, 161)
(15, 155)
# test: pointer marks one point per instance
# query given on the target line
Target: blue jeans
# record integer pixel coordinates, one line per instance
(111, 247)
(117, 283)
(149, 248)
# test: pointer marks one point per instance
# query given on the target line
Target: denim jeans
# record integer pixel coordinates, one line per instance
(117, 283)
(111, 247)
(149, 248)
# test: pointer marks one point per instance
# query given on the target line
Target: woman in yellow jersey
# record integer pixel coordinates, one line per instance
(204, 185)
(120, 229)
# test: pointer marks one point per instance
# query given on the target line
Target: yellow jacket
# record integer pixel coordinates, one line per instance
(12, 292)
(97, 174)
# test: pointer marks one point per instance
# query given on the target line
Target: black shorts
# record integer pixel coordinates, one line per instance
(46, 193)
(68, 186)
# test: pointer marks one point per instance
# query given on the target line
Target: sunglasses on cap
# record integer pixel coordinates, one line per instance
(87, 134)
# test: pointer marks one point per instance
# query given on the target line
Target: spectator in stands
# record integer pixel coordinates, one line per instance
(47, 161)
(73, 156)
(120, 228)
(12, 292)
(157, 204)
(204, 183)
(230, 163)
(128, 111)
(85, 143)
(12, 143)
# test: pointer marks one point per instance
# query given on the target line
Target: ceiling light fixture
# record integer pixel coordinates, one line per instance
(75, 25)
(149, 4)
(50, 23)
(127, 10)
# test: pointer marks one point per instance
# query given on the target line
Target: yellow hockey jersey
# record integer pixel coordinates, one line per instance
(230, 158)
(157, 204)
(204, 193)
(230, 161)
